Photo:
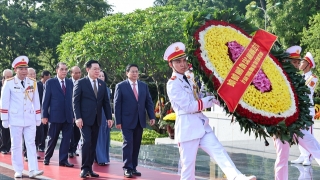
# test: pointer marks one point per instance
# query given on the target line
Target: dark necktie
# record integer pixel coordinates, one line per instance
(63, 88)
(95, 90)
(186, 79)
(22, 83)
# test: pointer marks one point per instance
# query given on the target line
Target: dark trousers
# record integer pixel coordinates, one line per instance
(131, 146)
(74, 138)
(42, 144)
(53, 134)
(90, 138)
(5, 141)
(38, 139)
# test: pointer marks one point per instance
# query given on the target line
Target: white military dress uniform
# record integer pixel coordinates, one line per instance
(311, 82)
(282, 149)
(191, 126)
(20, 108)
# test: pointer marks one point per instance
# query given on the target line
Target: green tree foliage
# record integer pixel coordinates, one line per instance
(286, 20)
(17, 32)
(140, 37)
(189, 5)
(311, 41)
(34, 28)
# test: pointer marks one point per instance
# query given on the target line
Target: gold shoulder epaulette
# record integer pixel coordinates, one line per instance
(33, 79)
(10, 79)
(173, 77)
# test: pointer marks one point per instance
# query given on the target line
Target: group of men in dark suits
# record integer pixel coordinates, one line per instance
(74, 107)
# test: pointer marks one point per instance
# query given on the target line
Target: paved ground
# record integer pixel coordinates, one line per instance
(162, 162)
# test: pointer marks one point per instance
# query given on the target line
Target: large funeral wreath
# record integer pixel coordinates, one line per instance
(276, 102)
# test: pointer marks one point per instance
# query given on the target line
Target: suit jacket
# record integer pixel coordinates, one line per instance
(40, 90)
(86, 105)
(128, 111)
(56, 106)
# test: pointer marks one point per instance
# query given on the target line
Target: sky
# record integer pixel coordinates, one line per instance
(127, 6)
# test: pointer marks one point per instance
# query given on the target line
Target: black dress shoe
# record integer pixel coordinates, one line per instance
(46, 162)
(70, 155)
(38, 157)
(84, 173)
(75, 154)
(93, 174)
(127, 173)
(136, 173)
(66, 164)
(41, 150)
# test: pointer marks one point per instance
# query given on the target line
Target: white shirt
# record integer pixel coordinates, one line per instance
(73, 81)
(91, 80)
(64, 82)
(136, 85)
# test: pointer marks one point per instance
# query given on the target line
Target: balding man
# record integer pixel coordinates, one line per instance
(5, 142)
(75, 75)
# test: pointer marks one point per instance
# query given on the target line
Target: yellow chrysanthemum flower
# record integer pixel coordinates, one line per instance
(170, 117)
(215, 40)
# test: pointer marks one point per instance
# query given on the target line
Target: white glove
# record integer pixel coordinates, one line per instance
(207, 101)
(38, 123)
(5, 124)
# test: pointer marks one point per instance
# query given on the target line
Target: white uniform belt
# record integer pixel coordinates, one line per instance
(181, 112)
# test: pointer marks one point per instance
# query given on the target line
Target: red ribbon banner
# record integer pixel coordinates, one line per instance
(245, 68)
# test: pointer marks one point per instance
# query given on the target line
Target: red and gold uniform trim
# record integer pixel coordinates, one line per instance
(3, 110)
(200, 105)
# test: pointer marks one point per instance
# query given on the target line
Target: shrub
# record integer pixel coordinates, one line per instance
(148, 136)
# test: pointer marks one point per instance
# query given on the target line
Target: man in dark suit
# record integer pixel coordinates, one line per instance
(131, 102)
(45, 75)
(5, 140)
(89, 97)
(75, 76)
(57, 109)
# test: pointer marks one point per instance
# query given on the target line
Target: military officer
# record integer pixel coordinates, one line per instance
(311, 81)
(191, 128)
(21, 111)
(308, 141)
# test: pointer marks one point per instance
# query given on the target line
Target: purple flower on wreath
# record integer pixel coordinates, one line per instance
(260, 81)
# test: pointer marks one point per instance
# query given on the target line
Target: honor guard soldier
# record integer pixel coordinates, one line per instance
(306, 65)
(191, 128)
(308, 141)
(21, 111)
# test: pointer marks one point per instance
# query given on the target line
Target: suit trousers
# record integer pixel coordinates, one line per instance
(88, 151)
(42, 144)
(54, 131)
(5, 141)
(131, 146)
(74, 138)
(29, 133)
(211, 145)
